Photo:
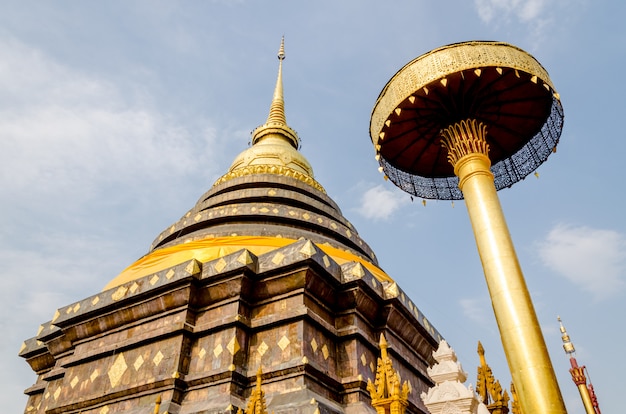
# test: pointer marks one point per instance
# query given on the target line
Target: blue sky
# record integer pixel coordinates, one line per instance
(116, 116)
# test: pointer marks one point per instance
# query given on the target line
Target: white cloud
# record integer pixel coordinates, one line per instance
(524, 10)
(478, 310)
(62, 129)
(378, 203)
(593, 259)
(74, 147)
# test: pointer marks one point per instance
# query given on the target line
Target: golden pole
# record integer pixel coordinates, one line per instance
(578, 376)
(521, 335)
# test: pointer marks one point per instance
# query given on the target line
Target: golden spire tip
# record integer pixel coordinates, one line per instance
(276, 123)
(383, 341)
(281, 50)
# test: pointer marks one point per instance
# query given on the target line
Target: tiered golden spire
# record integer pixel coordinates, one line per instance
(257, 404)
(275, 145)
(489, 389)
(277, 121)
(388, 397)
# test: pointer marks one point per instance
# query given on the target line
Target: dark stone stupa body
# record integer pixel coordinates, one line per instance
(264, 272)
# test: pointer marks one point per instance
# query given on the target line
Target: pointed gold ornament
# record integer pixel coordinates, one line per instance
(257, 404)
(515, 407)
(488, 388)
(157, 405)
(388, 396)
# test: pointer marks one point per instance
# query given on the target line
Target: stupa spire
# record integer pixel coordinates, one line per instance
(275, 146)
(277, 109)
(276, 123)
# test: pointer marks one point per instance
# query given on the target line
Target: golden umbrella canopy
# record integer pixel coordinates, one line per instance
(494, 83)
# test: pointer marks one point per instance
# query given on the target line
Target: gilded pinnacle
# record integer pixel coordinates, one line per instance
(277, 109)
(275, 145)
(276, 124)
(281, 50)
(257, 404)
(386, 392)
(488, 388)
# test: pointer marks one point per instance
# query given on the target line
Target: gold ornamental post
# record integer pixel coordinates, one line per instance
(587, 393)
(462, 122)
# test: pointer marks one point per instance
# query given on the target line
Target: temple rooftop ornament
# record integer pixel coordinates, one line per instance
(515, 407)
(461, 122)
(389, 395)
(488, 388)
(257, 404)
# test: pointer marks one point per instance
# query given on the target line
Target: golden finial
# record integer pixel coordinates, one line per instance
(277, 109)
(386, 393)
(281, 49)
(157, 404)
(277, 121)
(257, 404)
(382, 343)
(488, 388)
(516, 408)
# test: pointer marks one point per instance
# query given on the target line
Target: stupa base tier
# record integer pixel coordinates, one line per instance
(197, 333)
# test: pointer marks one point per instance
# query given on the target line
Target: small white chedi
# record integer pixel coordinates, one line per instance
(449, 395)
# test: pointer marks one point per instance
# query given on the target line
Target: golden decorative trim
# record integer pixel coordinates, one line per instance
(157, 358)
(262, 349)
(233, 346)
(94, 375)
(308, 249)
(464, 138)
(386, 393)
(117, 370)
(284, 342)
(270, 169)
(119, 293)
(445, 61)
(138, 362)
